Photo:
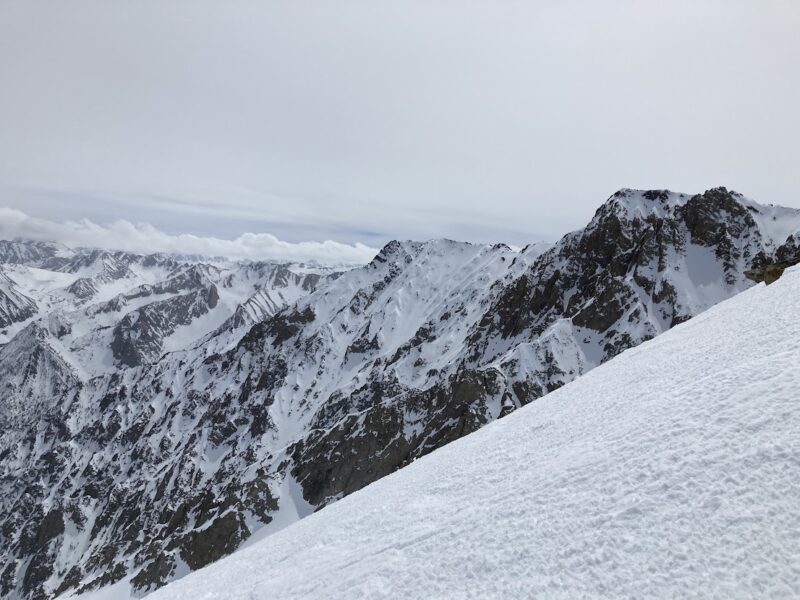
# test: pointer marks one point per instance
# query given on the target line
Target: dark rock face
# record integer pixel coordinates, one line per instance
(716, 219)
(789, 252)
(347, 457)
(83, 288)
(154, 574)
(771, 272)
(139, 336)
(15, 306)
(222, 537)
(357, 450)
(180, 459)
(51, 526)
(787, 255)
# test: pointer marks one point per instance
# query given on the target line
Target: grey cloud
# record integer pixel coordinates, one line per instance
(143, 237)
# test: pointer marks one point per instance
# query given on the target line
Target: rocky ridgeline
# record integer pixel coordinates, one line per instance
(786, 256)
(146, 472)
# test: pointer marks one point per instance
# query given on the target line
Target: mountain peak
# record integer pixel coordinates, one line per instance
(632, 203)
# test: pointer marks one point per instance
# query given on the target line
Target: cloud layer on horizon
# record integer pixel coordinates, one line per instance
(143, 237)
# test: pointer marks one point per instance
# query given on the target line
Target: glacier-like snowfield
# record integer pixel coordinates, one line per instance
(671, 471)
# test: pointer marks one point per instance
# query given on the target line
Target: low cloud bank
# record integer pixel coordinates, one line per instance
(143, 237)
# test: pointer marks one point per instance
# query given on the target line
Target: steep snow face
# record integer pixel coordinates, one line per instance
(279, 286)
(35, 378)
(671, 471)
(15, 306)
(28, 252)
(215, 438)
(777, 223)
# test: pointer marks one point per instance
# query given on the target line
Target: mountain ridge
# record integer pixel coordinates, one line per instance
(164, 467)
(674, 460)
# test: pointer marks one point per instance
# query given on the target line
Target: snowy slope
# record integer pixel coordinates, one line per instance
(34, 375)
(28, 252)
(15, 306)
(671, 471)
(111, 310)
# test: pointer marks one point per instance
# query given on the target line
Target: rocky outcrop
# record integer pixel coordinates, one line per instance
(139, 337)
(787, 255)
(83, 289)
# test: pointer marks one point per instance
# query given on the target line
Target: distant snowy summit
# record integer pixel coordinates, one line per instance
(160, 413)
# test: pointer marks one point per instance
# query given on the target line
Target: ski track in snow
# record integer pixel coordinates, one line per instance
(671, 471)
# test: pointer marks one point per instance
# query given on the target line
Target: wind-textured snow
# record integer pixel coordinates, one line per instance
(671, 471)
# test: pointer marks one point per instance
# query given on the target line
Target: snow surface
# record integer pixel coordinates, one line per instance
(776, 223)
(671, 471)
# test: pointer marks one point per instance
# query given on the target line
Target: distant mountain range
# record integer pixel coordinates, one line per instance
(158, 412)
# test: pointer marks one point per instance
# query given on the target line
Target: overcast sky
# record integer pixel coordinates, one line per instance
(360, 122)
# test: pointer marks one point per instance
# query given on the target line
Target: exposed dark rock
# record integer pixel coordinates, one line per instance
(201, 547)
(83, 288)
(15, 306)
(139, 336)
(787, 255)
(154, 574)
(213, 297)
(770, 273)
(71, 580)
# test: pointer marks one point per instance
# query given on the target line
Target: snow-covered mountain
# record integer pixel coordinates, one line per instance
(14, 305)
(110, 310)
(669, 472)
(173, 410)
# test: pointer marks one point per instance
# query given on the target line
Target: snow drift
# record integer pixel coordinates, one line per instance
(671, 471)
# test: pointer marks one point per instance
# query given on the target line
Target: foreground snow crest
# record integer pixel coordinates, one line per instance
(671, 471)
